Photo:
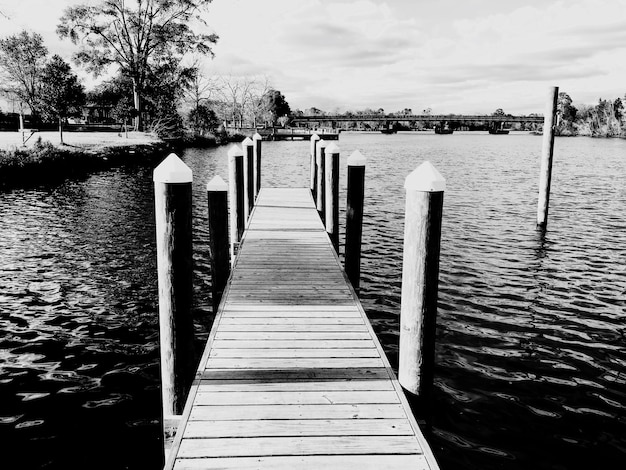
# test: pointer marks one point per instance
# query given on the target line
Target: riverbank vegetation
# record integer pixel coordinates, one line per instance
(44, 162)
(604, 119)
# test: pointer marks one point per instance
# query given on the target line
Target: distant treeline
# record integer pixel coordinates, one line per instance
(605, 119)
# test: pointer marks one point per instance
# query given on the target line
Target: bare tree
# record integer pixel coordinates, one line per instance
(236, 94)
(202, 88)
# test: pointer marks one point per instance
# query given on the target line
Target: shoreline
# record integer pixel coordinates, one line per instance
(43, 161)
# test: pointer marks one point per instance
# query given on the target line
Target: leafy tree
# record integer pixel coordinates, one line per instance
(618, 107)
(138, 38)
(203, 119)
(22, 59)
(164, 91)
(566, 115)
(61, 93)
(114, 94)
(276, 107)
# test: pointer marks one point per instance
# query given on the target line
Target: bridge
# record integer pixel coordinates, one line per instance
(387, 118)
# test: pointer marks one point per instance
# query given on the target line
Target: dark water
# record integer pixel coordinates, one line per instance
(531, 355)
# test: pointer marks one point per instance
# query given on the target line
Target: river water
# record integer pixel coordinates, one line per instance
(531, 335)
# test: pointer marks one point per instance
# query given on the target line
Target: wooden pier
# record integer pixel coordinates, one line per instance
(297, 134)
(293, 376)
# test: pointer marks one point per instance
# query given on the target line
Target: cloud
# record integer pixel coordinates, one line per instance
(362, 53)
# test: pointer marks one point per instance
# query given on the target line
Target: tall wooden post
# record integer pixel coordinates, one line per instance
(257, 163)
(217, 197)
(331, 205)
(248, 176)
(420, 277)
(547, 151)
(314, 140)
(320, 164)
(235, 189)
(172, 196)
(354, 217)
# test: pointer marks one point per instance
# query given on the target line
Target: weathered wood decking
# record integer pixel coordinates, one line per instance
(293, 376)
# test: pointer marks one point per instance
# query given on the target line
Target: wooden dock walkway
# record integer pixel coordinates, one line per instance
(293, 376)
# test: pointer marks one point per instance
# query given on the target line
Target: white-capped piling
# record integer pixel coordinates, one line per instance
(217, 199)
(420, 277)
(235, 190)
(172, 196)
(248, 176)
(331, 205)
(321, 180)
(314, 140)
(547, 152)
(354, 217)
(257, 138)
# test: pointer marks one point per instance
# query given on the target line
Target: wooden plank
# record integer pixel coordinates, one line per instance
(290, 300)
(293, 353)
(292, 335)
(289, 314)
(295, 374)
(294, 385)
(233, 306)
(302, 363)
(293, 328)
(299, 427)
(322, 445)
(293, 344)
(312, 462)
(295, 398)
(290, 321)
(256, 412)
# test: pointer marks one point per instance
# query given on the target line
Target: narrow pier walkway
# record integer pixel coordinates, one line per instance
(293, 376)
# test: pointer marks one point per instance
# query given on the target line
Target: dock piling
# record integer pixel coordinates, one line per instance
(236, 191)
(354, 217)
(172, 190)
(321, 180)
(331, 205)
(248, 176)
(217, 197)
(314, 140)
(420, 276)
(547, 152)
(257, 138)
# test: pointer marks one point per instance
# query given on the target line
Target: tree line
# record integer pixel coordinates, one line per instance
(604, 119)
(151, 53)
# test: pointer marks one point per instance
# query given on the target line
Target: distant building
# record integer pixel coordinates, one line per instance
(98, 114)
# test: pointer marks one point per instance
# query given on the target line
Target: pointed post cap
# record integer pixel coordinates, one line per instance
(257, 136)
(235, 151)
(172, 170)
(247, 142)
(356, 159)
(315, 137)
(425, 178)
(217, 184)
(332, 148)
(321, 143)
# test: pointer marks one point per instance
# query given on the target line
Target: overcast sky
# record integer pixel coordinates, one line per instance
(454, 56)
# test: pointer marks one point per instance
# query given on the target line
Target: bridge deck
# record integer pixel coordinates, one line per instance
(293, 375)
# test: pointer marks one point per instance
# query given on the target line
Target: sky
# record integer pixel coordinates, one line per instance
(453, 56)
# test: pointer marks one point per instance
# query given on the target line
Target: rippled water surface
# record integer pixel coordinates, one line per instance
(531, 352)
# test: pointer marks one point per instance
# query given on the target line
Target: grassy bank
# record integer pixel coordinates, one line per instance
(43, 161)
